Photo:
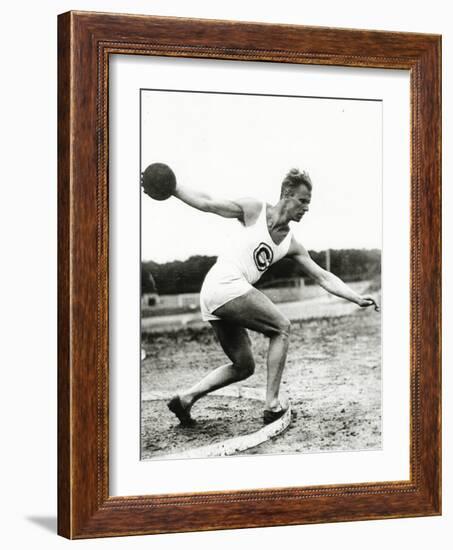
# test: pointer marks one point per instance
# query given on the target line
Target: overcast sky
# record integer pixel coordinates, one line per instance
(243, 145)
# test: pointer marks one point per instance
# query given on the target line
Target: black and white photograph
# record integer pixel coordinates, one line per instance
(238, 252)
(261, 242)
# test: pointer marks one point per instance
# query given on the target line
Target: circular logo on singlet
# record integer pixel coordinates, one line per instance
(263, 256)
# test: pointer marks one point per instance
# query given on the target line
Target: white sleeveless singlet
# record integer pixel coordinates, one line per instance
(240, 265)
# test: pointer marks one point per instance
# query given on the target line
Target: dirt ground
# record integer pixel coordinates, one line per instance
(332, 378)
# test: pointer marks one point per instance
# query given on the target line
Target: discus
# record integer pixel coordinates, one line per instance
(158, 181)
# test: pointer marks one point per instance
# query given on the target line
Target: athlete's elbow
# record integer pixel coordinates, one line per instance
(323, 278)
(214, 207)
(207, 205)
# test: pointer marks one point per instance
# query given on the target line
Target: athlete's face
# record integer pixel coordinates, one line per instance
(298, 203)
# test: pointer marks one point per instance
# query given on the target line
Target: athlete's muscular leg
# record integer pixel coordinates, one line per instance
(255, 311)
(236, 345)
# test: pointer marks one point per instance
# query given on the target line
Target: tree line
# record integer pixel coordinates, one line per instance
(180, 277)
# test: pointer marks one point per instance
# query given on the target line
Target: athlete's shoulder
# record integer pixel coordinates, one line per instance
(295, 247)
(251, 208)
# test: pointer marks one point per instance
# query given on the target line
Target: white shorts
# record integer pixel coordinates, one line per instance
(222, 284)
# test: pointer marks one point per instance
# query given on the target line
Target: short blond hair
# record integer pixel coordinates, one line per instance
(293, 179)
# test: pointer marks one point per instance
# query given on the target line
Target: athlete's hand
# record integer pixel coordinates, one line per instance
(367, 301)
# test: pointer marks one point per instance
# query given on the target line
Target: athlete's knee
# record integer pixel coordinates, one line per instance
(283, 327)
(245, 367)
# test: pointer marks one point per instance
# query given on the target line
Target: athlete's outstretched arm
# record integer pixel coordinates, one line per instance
(326, 279)
(204, 202)
(215, 205)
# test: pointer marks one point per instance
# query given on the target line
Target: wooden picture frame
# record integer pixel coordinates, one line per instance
(85, 41)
